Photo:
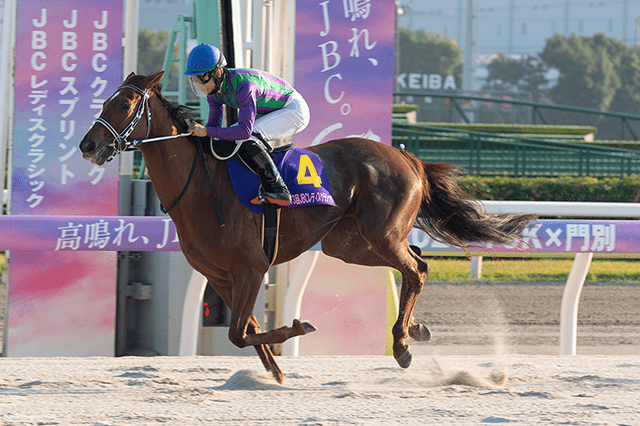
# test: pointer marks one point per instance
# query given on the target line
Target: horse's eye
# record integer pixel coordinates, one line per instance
(126, 106)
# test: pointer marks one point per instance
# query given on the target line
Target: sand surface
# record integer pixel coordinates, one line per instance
(525, 318)
(493, 359)
(367, 390)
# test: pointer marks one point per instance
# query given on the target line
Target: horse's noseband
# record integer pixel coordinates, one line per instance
(120, 142)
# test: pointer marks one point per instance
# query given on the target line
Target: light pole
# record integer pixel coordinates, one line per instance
(470, 45)
(396, 45)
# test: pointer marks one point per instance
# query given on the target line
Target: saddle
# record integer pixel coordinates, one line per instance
(226, 150)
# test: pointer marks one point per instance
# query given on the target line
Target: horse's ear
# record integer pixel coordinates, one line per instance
(128, 77)
(154, 79)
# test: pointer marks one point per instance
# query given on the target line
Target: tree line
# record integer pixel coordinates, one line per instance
(593, 72)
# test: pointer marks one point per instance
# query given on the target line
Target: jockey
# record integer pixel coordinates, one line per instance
(267, 106)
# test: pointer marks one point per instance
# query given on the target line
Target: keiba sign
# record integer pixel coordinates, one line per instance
(426, 81)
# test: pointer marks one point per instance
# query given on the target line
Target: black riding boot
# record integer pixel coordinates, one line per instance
(272, 187)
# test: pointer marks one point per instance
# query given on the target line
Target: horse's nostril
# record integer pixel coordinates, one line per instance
(87, 145)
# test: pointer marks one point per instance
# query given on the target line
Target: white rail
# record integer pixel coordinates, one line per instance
(562, 208)
(581, 262)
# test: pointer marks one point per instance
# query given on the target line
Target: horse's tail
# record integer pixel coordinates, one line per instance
(451, 216)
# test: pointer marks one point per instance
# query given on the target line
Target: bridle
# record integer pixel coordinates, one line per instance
(121, 144)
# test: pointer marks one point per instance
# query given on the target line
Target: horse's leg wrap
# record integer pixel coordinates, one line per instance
(272, 187)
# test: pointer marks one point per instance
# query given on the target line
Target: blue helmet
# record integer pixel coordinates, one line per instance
(204, 58)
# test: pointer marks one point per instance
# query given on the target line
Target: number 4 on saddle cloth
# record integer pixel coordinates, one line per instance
(300, 169)
(304, 175)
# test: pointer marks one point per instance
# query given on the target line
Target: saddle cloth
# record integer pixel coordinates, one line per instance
(301, 170)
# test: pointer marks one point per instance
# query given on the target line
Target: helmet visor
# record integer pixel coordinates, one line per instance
(197, 86)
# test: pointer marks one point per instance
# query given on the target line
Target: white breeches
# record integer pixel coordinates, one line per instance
(282, 123)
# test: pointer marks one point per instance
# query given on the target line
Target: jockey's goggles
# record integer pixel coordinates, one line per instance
(198, 83)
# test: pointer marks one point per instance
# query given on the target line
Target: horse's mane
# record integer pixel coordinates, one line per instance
(180, 114)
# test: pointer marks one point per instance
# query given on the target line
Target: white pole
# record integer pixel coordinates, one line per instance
(288, 43)
(6, 131)
(191, 316)
(6, 81)
(293, 299)
(470, 46)
(130, 42)
(570, 300)
(476, 267)
(129, 64)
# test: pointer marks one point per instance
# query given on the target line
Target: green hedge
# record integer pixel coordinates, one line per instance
(613, 190)
(533, 129)
(618, 144)
(404, 108)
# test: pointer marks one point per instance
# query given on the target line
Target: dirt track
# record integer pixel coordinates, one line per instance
(526, 317)
(523, 317)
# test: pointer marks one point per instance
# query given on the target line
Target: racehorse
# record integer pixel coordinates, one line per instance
(380, 193)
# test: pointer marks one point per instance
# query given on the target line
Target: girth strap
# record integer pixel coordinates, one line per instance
(270, 231)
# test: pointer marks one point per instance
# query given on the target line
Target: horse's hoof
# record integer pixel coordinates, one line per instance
(405, 359)
(307, 327)
(277, 375)
(420, 333)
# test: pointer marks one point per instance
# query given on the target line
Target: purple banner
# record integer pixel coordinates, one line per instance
(556, 236)
(88, 233)
(344, 68)
(68, 62)
(142, 233)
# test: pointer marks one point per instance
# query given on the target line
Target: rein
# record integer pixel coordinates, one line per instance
(121, 144)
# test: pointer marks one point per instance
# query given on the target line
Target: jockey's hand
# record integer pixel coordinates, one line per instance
(197, 129)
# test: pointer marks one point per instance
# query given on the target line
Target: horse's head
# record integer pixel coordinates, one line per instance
(125, 116)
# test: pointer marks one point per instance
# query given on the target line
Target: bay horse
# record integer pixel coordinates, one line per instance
(380, 193)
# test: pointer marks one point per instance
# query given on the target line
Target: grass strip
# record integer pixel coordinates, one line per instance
(452, 269)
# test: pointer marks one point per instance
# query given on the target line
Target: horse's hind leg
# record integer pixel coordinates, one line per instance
(412, 283)
(414, 272)
(264, 351)
(346, 242)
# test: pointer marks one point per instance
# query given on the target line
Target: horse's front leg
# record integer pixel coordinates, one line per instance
(280, 335)
(245, 293)
(264, 352)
